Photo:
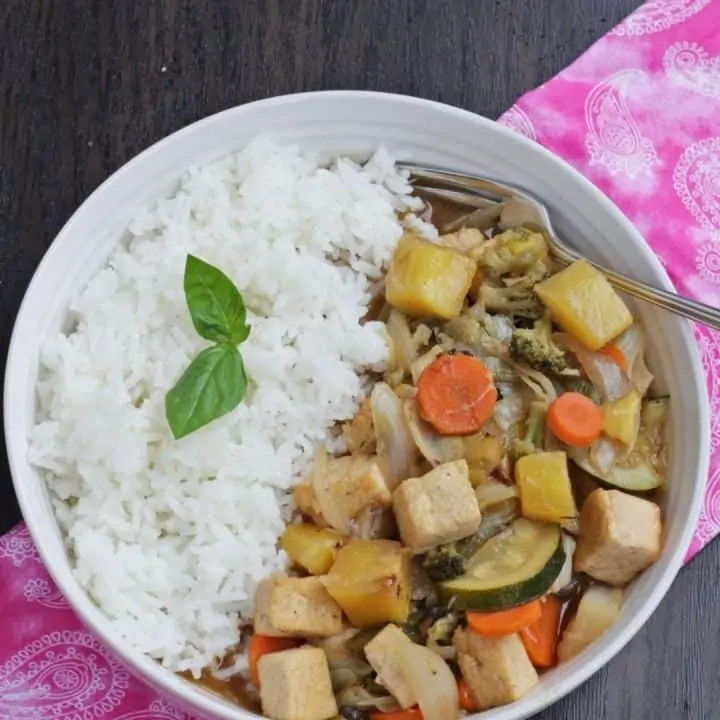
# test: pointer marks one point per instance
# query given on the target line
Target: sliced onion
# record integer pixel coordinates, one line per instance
(603, 455)
(395, 446)
(446, 652)
(337, 647)
(500, 370)
(510, 410)
(541, 386)
(320, 479)
(437, 449)
(431, 682)
(404, 353)
(500, 326)
(604, 373)
(632, 344)
(597, 612)
(496, 519)
(417, 367)
(348, 671)
(357, 696)
(493, 493)
(565, 577)
(374, 523)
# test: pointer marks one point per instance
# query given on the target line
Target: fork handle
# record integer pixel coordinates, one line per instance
(690, 309)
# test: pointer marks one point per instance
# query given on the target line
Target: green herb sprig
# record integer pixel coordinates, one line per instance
(215, 381)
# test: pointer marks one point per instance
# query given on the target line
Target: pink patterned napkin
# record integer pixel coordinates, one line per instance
(638, 114)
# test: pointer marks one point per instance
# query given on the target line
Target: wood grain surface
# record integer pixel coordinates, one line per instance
(86, 84)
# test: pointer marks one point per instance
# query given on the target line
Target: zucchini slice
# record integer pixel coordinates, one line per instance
(512, 568)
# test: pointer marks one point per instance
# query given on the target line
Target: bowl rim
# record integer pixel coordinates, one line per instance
(179, 689)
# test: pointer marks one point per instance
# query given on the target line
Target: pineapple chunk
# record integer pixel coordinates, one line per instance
(544, 485)
(311, 547)
(621, 418)
(370, 580)
(427, 279)
(584, 304)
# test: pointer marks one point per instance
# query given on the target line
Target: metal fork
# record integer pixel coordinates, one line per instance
(501, 203)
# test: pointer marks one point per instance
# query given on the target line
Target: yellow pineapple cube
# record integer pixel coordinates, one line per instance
(425, 279)
(585, 305)
(544, 485)
(621, 418)
(371, 581)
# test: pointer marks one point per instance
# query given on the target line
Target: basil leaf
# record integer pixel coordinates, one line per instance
(213, 385)
(216, 305)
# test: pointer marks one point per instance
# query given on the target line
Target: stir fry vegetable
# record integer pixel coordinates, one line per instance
(465, 514)
(456, 395)
(575, 419)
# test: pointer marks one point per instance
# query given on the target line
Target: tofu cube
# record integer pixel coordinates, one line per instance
(620, 536)
(295, 607)
(584, 304)
(295, 685)
(356, 482)
(497, 670)
(382, 654)
(436, 508)
(349, 486)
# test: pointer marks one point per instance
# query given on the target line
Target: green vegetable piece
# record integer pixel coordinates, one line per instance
(212, 386)
(536, 348)
(492, 583)
(216, 305)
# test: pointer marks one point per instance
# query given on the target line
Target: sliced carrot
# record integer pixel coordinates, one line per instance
(456, 394)
(504, 622)
(540, 638)
(262, 645)
(575, 419)
(409, 714)
(614, 353)
(466, 700)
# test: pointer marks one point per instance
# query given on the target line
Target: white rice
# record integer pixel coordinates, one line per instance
(171, 537)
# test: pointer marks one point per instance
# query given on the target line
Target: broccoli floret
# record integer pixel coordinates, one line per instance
(534, 437)
(514, 252)
(512, 300)
(445, 562)
(535, 347)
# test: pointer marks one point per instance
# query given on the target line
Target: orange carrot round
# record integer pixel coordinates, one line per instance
(409, 714)
(575, 419)
(540, 638)
(504, 622)
(456, 394)
(466, 700)
(262, 645)
(614, 353)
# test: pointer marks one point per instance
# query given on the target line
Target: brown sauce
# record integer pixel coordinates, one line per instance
(237, 690)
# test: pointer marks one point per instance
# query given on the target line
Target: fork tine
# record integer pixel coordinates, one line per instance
(465, 197)
(431, 176)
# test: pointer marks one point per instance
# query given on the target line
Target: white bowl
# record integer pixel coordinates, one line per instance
(351, 123)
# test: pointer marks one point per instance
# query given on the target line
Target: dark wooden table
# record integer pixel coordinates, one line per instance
(86, 84)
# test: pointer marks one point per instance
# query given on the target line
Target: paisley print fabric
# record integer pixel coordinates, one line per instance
(638, 114)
